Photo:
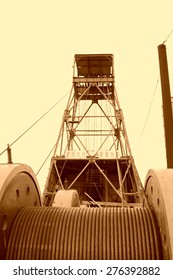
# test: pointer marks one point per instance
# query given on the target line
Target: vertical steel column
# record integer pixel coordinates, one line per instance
(9, 154)
(167, 107)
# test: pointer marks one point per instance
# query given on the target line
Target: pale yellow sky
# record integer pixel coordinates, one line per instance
(38, 42)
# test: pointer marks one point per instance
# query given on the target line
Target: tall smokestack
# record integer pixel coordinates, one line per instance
(167, 106)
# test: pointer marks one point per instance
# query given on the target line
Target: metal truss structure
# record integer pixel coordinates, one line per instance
(92, 153)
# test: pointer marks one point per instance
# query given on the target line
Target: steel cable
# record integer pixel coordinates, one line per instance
(79, 233)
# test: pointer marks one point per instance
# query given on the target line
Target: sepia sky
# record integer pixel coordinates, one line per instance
(38, 42)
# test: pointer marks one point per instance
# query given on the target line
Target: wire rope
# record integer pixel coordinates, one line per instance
(167, 37)
(149, 111)
(35, 123)
(45, 160)
(151, 103)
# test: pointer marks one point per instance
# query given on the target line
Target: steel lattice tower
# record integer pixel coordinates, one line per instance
(92, 153)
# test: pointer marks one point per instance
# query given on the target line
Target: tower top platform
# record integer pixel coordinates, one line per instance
(94, 65)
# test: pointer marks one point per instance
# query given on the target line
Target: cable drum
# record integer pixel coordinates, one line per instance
(49, 233)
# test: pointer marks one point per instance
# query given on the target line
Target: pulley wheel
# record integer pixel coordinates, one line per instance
(18, 189)
(159, 193)
(66, 198)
